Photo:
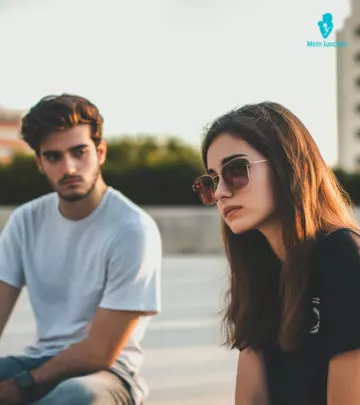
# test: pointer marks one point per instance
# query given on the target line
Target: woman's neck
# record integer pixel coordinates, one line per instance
(273, 233)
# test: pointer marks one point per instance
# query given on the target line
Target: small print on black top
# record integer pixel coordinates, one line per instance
(300, 377)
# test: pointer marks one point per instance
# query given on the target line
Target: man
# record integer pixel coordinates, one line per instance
(90, 259)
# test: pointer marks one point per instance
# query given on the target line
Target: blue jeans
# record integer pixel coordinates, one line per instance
(103, 388)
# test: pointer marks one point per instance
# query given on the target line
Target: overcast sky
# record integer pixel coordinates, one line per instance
(171, 66)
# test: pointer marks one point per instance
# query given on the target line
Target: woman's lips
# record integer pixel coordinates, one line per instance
(231, 211)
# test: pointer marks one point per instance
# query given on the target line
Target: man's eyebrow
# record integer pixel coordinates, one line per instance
(72, 149)
(225, 160)
(77, 147)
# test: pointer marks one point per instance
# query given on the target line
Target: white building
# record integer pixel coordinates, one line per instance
(10, 141)
(348, 92)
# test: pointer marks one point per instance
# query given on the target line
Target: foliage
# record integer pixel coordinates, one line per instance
(150, 170)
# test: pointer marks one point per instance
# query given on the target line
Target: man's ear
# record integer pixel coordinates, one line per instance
(101, 151)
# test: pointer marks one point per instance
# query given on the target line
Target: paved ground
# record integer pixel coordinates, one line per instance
(185, 364)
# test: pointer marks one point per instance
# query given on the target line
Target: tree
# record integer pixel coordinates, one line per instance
(150, 170)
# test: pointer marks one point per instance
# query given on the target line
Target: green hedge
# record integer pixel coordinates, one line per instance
(350, 183)
(150, 171)
(166, 185)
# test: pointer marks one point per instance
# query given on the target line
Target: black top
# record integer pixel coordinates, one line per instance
(300, 377)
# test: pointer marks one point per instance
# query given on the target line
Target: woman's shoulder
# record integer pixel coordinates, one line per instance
(338, 238)
(338, 249)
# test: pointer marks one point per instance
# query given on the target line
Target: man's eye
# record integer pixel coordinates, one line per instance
(79, 153)
(52, 158)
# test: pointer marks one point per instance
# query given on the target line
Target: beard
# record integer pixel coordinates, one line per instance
(78, 195)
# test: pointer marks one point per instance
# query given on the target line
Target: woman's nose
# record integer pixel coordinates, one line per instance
(222, 190)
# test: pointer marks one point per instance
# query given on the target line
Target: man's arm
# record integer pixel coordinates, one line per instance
(11, 266)
(108, 335)
(251, 386)
(131, 291)
(8, 298)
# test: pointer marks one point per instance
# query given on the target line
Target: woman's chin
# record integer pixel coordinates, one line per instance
(241, 223)
(239, 226)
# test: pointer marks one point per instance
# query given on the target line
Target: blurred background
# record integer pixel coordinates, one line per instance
(160, 72)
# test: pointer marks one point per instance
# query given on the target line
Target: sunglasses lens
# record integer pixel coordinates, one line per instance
(205, 189)
(235, 174)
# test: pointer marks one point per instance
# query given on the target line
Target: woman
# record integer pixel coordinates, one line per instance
(293, 305)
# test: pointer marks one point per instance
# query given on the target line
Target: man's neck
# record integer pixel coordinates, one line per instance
(78, 210)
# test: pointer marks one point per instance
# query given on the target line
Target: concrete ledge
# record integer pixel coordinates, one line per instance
(184, 230)
(193, 230)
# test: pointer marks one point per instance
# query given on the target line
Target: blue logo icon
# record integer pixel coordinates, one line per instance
(326, 25)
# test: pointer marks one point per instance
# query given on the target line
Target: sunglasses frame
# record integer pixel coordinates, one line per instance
(248, 162)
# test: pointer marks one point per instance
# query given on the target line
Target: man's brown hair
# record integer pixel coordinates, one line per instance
(59, 113)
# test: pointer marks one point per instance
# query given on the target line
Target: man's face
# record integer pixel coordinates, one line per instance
(71, 162)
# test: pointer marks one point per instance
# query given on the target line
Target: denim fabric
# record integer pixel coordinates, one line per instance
(103, 388)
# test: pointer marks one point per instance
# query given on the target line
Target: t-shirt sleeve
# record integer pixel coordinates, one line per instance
(134, 267)
(339, 263)
(11, 266)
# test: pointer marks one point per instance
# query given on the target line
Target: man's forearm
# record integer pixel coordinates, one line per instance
(108, 335)
(8, 298)
(79, 359)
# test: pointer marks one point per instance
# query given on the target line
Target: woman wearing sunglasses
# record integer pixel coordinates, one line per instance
(293, 247)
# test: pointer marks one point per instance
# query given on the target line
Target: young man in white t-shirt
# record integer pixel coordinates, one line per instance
(90, 260)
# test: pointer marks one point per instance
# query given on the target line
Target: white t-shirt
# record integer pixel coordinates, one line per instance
(110, 259)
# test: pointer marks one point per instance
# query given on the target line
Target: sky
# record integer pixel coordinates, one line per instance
(172, 66)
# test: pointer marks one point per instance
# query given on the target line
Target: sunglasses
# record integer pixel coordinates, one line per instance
(235, 174)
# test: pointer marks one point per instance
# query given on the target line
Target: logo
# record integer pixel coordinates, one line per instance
(315, 316)
(326, 27)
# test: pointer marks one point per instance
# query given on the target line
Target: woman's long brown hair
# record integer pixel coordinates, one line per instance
(267, 299)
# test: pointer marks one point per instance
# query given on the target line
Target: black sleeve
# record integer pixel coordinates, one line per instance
(338, 267)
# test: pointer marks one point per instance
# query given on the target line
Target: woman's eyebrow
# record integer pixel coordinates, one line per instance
(225, 160)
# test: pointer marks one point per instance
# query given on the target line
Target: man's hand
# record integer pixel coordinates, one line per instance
(109, 333)
(10, 393)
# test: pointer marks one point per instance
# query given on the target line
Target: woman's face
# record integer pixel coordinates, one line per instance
(254, 205)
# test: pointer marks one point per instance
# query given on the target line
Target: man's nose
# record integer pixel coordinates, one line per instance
(222, 190)
(68, 166)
